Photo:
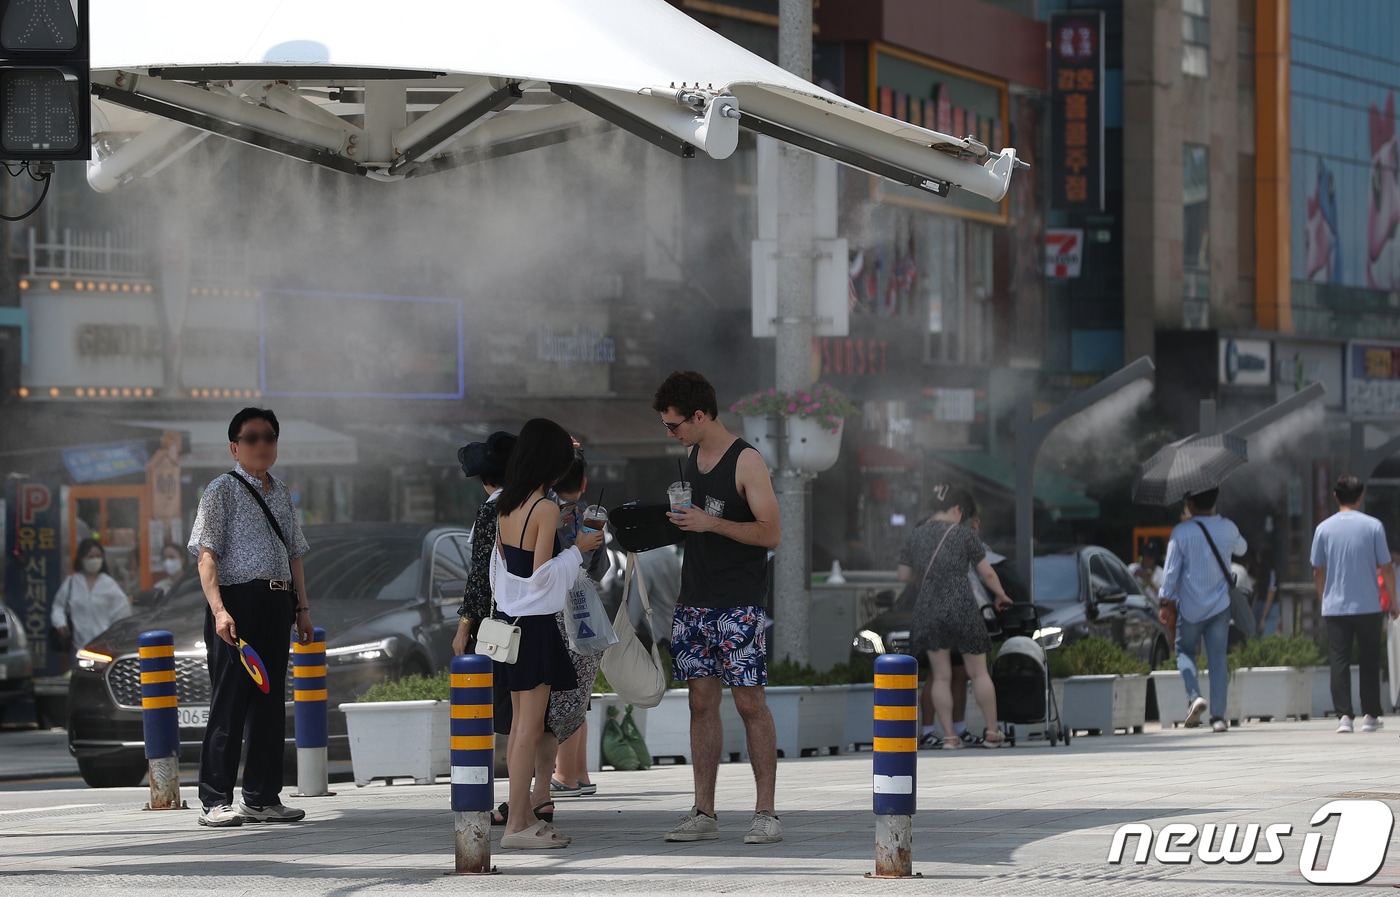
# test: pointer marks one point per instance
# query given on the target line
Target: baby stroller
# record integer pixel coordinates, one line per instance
(1021, 678)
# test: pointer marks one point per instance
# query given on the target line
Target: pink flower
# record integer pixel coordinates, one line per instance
(812, 407)
(792, 406)
(805, 397)
(771, 391)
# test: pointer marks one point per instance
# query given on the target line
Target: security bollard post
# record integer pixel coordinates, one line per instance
(896, 764)
(160, 718)
(473, 762)
(309, 695)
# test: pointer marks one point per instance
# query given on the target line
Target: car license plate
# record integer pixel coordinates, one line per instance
(193, 717)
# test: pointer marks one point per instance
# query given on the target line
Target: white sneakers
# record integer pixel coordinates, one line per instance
(1370, 724)
(1195, 712)
(1344, 726)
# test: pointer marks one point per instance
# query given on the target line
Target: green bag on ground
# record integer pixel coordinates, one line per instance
(616, 749)
(635, 740)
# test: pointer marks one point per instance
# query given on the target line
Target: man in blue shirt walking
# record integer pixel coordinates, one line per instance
(1348, 552)
(1194, 580)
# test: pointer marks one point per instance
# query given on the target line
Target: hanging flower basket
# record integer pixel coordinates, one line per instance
(815, 420)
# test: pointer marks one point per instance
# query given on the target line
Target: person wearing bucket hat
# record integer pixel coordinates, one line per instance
(487, 462)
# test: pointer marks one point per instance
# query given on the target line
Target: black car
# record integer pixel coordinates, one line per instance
(1079, 592)
(386, 595)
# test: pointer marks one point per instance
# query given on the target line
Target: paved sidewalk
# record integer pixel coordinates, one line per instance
(1026, 820)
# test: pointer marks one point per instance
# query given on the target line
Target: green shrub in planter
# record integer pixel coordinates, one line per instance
(412, 688)
(1279, 651)
(1094, 656)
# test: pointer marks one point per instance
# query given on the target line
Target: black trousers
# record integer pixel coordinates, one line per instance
(1365, 629)
(262, 618)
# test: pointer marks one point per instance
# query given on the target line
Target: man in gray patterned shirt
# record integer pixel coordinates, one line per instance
(249, 544)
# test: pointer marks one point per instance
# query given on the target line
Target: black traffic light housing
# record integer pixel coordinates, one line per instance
(44, 80)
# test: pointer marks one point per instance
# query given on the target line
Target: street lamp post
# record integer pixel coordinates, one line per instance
(1277, 412)
(1031, 433)
(793, 351)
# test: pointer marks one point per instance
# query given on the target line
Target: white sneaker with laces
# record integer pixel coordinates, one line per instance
(273, 813)
(695, 826)
(765, 829)
(1344, 726)
(1195, 711)
(220, 817)
(1370, 723)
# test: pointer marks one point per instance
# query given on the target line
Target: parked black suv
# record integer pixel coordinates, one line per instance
(386, 595)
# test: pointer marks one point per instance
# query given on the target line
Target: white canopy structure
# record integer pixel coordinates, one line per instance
(398, 91)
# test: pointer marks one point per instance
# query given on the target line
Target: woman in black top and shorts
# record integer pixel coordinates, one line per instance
(532, 580)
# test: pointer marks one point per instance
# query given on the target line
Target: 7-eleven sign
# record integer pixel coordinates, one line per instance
(1064, 250)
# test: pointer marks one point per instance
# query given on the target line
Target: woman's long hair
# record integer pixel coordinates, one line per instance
(84, 547)
(543, 454)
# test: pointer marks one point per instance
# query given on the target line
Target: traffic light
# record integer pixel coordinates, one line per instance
(44, 59)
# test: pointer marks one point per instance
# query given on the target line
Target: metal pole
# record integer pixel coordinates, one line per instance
(896, 764)
(1031, 433)
(1277, 412)
(309, 693)
(796, 309)
(473, 762)
(160, 718)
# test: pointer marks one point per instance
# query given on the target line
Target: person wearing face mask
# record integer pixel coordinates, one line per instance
(172, 564)
(89, 601)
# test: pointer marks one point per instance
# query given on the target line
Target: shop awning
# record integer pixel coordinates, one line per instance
(1061, 496)
(300, 444)
(395, 92)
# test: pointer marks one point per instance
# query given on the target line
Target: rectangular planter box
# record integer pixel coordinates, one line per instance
(808, 719)
(859, 730)
(1171, 697)
(392, 739)
(1322, 690)
(1102, 703)
(1276, 692)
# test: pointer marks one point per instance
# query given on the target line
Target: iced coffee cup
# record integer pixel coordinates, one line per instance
(595, 517)
(679, 494)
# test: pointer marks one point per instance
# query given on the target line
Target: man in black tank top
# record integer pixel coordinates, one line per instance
(718, 635)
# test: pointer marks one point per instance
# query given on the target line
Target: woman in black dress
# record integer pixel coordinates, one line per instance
(531, 579)
(947, 618)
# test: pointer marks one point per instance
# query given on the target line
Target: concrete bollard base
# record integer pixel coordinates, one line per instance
(473, 844)
(894, 848)
(165, 785)
(312, 778)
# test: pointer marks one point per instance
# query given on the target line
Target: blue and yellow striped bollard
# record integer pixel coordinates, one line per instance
(310, 707)
(896, 763)
(160, 718)
(473, 761)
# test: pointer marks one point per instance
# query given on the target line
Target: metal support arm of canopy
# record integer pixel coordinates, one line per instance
(447, 121)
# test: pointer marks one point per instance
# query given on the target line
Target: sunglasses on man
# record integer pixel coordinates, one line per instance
(258, 438)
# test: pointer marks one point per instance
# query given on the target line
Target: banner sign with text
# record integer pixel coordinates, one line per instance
(34, 565)
(1076, 111)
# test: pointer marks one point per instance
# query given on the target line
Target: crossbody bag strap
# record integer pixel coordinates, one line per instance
(1229, 577)
(932, 557)
(262, 503)
(497, 557)
(646, 602)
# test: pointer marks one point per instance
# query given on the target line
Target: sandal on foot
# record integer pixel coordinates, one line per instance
(587, 788)
(547, 817)
(559, 789)
(952, 744)
(501, 814)
(540, 836)
(992, 738)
